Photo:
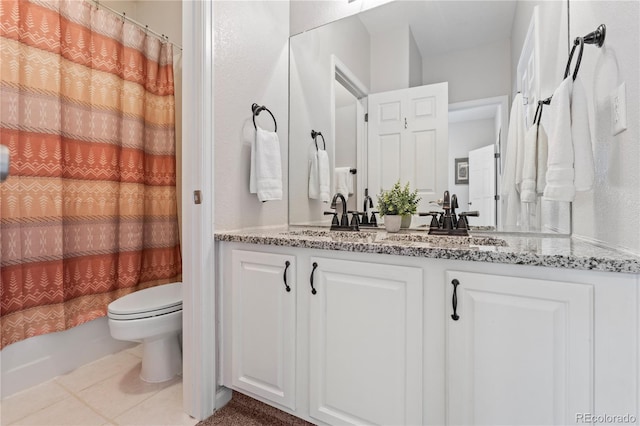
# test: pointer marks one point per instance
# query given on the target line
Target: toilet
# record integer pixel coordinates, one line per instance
(152, 316)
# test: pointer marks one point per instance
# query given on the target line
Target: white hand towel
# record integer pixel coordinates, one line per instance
(344, 181)
(314, 179)
(266, 166)
(515, 144)
(535, 164)
(581, 137)
(319, 177)
(560, 171)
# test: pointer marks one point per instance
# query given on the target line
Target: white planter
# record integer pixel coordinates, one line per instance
(392, 222)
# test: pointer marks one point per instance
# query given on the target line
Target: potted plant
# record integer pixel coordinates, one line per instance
(397, 204)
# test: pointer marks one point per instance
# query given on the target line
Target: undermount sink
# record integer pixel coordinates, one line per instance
(379, 236)
(358, 237)
(448, 240)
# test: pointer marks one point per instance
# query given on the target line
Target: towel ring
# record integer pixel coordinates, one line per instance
(579, 41)
(257, 109)
(314, 135)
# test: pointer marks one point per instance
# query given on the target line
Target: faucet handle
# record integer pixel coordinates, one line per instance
(334, 221)
(373, 221)
(355, 220)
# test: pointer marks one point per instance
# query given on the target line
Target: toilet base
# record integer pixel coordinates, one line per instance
(161, 358)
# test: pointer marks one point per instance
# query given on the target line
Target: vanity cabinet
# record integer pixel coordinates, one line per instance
(376, 343)
(263, 325)
(365, 343)
(519, 351)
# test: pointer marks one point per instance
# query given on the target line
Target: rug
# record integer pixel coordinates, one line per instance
(245, 411)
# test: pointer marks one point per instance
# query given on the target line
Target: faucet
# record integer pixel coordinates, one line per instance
(368, 203)
(449, 223)
(344, 219)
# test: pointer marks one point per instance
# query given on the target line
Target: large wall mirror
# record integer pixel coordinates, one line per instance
(421, 92)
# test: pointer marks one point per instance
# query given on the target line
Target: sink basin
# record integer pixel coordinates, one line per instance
(448, 240)
(371, 236)
(358, 237)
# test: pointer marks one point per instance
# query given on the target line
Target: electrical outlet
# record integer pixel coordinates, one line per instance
(619, 109)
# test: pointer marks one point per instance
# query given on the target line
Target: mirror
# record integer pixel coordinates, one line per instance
(446, 71)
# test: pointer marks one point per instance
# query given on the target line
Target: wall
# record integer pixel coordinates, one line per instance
(415, 63)
(251, 66)
(481, 72)
(311, 83)
(390, 60)
(610, 212)
(308, 14)
(466, 136)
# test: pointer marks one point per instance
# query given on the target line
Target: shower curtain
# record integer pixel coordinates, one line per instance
(89, 212)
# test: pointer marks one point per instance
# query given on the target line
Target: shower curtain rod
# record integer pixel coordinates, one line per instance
(134, 22)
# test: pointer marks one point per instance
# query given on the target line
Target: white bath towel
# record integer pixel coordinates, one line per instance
(534, 165)
(266, 166)
(319, 183)
(344, 181)
(581, 137)
(515, 149)
(560, 171)
(529, 167)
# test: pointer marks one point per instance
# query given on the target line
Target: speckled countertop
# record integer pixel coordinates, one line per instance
(554, 252)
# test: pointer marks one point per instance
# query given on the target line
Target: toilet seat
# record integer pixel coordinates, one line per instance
(150, 302)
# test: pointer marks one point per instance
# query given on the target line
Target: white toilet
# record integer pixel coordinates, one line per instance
(153, 316)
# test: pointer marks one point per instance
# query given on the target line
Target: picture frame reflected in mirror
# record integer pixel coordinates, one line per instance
(462, 171)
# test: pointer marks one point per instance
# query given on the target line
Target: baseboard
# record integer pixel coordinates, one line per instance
(39, 359)
(223, 396)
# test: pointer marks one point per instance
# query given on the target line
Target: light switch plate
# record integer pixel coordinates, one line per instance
(619, 109)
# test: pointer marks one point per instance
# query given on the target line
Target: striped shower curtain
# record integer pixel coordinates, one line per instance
(88, 213)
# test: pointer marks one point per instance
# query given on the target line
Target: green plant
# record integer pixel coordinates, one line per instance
(398, 200)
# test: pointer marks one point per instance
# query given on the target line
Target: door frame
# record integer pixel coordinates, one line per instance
(501, 103)
(341, 73)
(200, 393)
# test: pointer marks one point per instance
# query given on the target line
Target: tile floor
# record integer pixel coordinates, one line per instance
(105, 392)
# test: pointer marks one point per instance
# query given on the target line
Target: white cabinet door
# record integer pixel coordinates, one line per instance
(521, 351)
(365, 343)
(263, 325)
(407, 140)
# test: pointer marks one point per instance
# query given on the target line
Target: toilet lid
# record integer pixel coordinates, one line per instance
(151, 301)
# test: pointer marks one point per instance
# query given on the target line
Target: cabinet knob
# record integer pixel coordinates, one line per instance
(454, 300)
(284, 277)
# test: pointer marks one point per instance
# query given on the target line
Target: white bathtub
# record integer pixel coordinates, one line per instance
(41, 358)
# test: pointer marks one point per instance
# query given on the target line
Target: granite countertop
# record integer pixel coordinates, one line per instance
(554, 252)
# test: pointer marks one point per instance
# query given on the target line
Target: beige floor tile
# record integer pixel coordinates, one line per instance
(119, 393)
(136, 350)
(67, 412)
(30, 401)
(90, 374)
(163, 408)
